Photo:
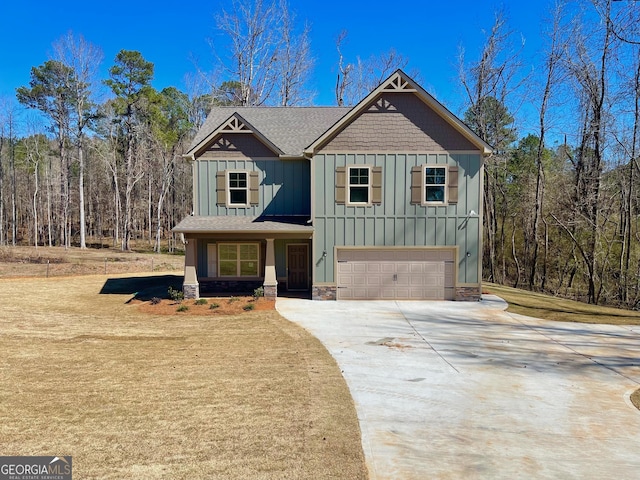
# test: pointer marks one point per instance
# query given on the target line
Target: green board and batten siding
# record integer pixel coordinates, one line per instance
(396, 222)
(282, 187)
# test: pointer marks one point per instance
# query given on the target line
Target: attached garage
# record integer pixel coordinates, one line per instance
(396, 274)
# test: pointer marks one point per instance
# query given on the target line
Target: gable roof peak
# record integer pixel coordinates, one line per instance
(400, 82)
(397, 82)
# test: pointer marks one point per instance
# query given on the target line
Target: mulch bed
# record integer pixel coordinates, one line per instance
(225, 306)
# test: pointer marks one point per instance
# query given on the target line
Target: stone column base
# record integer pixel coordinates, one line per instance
(324, 292)
(270, 292)
(468, 294)
(191, 291)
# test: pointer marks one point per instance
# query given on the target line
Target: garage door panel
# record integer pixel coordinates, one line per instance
(384, 294)
(388, 267)
(396, 274)
(417, 268)
(345, 267)
(359, 267)
(402, 267)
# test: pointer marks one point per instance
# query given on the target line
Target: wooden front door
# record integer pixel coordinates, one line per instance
(298, 266)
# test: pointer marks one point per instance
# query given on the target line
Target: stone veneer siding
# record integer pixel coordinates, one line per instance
(468, 294)
(191, 291)
(270, 292)
(324, 292)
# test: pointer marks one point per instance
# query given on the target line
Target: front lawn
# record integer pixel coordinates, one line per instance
(130, 394)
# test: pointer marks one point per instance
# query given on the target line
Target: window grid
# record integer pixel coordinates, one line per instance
(238, 188)
(239, 259)
(435, 184)
(359, 179)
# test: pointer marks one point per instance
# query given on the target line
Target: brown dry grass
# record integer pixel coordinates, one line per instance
(130, 394)
(23, 261)
(635, 398)
(543, 306)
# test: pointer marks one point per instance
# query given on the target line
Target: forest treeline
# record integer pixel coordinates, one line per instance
(560, 202)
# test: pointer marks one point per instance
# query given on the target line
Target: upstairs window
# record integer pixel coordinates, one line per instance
(359, 185)
(238, 188)
(435, 184)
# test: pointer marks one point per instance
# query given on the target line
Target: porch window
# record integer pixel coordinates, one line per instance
(238, 188)
(435, 184)
(359, 185)
(239, 259)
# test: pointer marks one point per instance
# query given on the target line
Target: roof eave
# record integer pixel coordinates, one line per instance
(241, 231)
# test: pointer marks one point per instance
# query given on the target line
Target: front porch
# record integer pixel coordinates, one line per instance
(237, 255)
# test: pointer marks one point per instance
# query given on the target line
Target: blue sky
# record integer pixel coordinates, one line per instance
(173, 34)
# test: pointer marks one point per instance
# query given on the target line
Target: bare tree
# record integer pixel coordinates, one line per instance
(200, 100)
(251, 27)
(489, 83)
(355, 80)
(624, 23)
(588, 64)
(553, 72)
(4, 107)
(170, 128)
(8, 124)
(107, 151)
(35, 146)
(294, 61)
(129, 80)
(344, 79)
(51, 92)
(269, 57)
(83, 59)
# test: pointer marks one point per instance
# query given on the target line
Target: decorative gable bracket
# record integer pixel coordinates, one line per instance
(234, 125)
(397, 83)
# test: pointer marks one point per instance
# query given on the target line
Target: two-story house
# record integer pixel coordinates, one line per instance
(382, 200)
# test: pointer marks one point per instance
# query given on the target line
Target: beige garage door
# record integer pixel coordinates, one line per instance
(392, 274)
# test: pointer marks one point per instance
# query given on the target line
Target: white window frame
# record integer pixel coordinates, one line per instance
(239, 260)
(348, 184)
(247, 189)
(444, 185)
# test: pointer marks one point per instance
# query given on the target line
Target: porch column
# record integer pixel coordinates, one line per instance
(190, 286)
(270, 281)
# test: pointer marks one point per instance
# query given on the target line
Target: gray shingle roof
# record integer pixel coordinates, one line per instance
(238, 224)
(291, 129)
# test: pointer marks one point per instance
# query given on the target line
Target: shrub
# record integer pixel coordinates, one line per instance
(155, 301)
(213, 306)
(201, 301)
(182, 308)
(233, 299)
(249, 306)
(258, 292)
(175, 295)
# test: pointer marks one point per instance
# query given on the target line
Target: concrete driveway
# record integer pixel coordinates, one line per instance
(466, 390)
